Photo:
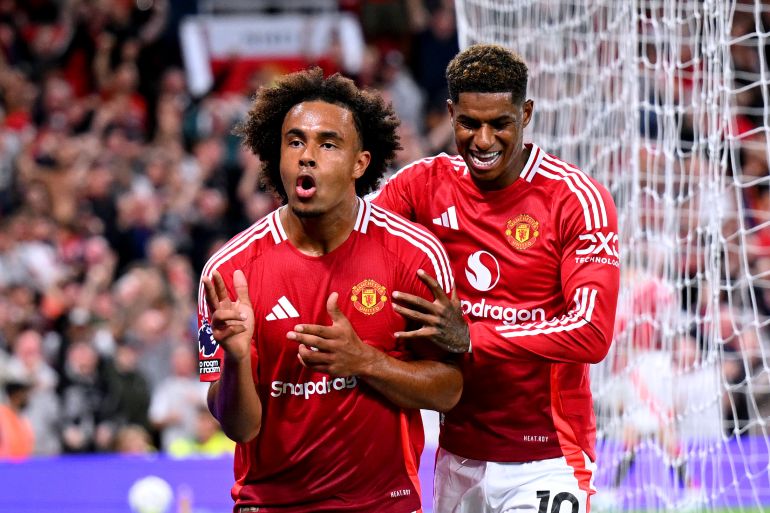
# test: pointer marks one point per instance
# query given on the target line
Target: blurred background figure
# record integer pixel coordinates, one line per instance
(208, 440)
(17, 438)
(176, 400)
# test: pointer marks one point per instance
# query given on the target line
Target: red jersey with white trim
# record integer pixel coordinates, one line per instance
(326, 444)
(537, 269)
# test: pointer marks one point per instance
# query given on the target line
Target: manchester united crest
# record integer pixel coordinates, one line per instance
(369, 297)
(522, 231)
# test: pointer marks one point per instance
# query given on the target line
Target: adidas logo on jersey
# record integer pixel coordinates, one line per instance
(448, 219)
(283, 310)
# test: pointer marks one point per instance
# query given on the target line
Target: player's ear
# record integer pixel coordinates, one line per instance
(362, 162)
(450, 107)
(527, 108)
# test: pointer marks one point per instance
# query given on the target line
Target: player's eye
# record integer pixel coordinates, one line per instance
(327, 145)
(294, 143)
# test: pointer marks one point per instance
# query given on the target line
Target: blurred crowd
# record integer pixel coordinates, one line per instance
(116, 184)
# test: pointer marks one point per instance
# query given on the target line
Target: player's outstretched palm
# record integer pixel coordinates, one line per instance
(442, 320)
(232, 322)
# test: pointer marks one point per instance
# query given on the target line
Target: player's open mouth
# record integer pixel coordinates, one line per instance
(484, 160)
(305, 186)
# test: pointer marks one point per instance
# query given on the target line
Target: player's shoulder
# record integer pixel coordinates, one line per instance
(246, 245)
(565, 182)
(575, 194)
(395, 230)
(563, 176)
(409, 242)
(440, 165)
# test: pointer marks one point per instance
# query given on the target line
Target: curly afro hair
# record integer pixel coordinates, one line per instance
(487, 69)
(375, 121)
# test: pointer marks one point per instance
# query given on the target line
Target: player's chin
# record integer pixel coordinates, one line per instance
(485, 174)
(305, 211)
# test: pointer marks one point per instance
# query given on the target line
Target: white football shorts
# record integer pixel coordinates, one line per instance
(463, 485)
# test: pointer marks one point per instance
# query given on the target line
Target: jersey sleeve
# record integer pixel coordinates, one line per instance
(590, 278)
(210, 354)
(398, 194)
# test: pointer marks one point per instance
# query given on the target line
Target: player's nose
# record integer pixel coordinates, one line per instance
(484, 138)
(307, 159)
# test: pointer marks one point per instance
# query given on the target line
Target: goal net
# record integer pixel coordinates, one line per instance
(666, 102)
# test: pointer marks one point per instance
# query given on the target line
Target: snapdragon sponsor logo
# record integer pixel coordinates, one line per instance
(482, 270)
(320, 387)
(506, 314)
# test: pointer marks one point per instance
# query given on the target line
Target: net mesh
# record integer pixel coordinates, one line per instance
(666, 102)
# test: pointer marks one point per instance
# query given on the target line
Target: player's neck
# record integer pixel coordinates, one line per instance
(321, 234)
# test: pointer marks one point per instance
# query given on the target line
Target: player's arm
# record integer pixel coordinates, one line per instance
(233, 399)
(582, 334)
(338, 351)
(590, 278)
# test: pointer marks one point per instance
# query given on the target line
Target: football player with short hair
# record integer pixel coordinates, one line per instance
(534, 246)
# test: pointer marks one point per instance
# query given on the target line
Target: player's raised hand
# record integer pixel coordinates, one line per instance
(441, 321)
(232, 322)
(335, 350)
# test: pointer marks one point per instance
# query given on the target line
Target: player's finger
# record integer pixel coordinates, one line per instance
(334, 310)
(228, 331)
(219, 286)
(227, 314)
(230, 322)
(414, 302)
(422, 333)
(308, 340)
(313, 358)
(211, 295)
(432, 284)
(241, 287)
(420, 317)
(318, 330)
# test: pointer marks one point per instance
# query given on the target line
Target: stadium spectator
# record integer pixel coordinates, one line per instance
(177, 399)
(133, 439)
(208, 441)
(43, 409)
(129, 395)
(17, 438)
(84, 392)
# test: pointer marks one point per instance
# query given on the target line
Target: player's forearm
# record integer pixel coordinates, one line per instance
(423, 384)
(233, 400)
(583, 344)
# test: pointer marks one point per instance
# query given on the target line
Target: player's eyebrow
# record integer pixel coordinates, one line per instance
(330, 134)
(295, 131)
(324, 134)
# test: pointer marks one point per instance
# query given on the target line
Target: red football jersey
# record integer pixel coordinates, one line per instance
(326, 444)
(537, 271)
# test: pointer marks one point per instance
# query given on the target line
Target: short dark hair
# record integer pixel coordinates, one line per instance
(375, 122)
(487, 69)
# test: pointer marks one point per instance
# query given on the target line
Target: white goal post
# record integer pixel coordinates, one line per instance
(666, 102)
